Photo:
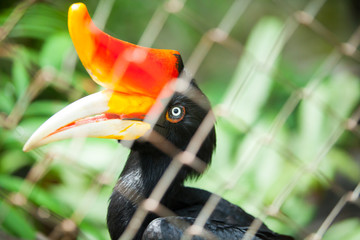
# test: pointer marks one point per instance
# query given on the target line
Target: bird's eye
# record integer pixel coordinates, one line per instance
(175, 114)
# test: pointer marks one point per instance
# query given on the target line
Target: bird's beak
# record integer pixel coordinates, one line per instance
(133, 77)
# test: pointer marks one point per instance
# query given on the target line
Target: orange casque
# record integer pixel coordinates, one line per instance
(118, 65)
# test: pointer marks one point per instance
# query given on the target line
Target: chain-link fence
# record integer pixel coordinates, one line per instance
(283, 79)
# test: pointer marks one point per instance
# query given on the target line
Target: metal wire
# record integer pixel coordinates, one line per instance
(219, 35)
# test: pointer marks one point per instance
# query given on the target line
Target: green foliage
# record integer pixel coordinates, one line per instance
(257, 173)
(40, 22)
(39, 196)
(55, 50)
(16, 221)
(20, 74)
(348, 229)
(269, 171)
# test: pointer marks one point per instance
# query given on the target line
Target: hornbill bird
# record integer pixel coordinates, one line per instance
(139, 98)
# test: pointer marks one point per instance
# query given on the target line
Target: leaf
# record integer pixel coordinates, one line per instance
(251, 83)
(339, 161)
(4, 14)
(55, 51)
(11, 160)
(92, 232)
(16, 222)
(40, 21)
(37, 195)
(343, 92)
(298, 209)
(6, 94)
(20, 77)
(44, 108)
(348, 229)
(311, 129)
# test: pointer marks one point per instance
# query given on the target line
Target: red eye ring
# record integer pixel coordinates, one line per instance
(175, 114)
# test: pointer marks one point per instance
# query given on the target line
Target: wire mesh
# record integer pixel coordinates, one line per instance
(257, 138)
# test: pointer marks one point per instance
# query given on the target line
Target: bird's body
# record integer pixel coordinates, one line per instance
(138, 82)
(136, 183)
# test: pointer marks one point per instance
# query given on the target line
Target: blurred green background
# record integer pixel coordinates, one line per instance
(288, 137)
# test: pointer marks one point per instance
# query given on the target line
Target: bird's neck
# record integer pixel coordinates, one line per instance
(141, 173)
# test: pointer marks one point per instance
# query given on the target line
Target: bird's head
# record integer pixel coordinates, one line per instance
(140, 93)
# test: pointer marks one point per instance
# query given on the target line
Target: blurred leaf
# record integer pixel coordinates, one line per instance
(40, 22)
(7, 100)
(339, 161)
(11, 160)
(4, 14)
(16, 222)
(269, 171)
(55, 50)
(20, 77)
(348, 229)
(311, 130)
(281, 227)
(92, 232)
(251, 82)
(37, 195)
(343, 101)
(44, 108)
(317, 123)
(297, 209)
(8, 141)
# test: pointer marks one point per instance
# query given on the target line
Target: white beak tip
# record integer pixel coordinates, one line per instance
(28, 146)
